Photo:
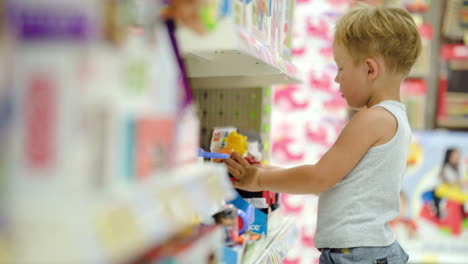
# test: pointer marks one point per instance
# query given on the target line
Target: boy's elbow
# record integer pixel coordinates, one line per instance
(322, 183)
(318, 180)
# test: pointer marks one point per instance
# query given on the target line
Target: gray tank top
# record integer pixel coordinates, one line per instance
(356, 211)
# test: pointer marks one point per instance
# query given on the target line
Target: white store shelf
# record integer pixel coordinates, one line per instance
(231, 57)
(119, 225)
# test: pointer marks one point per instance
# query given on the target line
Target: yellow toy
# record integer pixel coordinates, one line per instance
(236, 142)
(452, 192)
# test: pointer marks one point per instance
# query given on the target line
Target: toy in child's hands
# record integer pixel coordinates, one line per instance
(236, 142)
(212, 155)
(246, 175)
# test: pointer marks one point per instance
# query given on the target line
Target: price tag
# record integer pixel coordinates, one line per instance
(119, 231)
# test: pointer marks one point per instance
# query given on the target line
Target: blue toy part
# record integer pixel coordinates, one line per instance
(260, 221)
(224, 8)
(231, 255)
(260, 224)
(212, 155)
(428, 196)
(247, 217)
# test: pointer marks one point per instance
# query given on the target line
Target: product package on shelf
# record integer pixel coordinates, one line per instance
(413, 95)
(201, 245)
(226, 140)
(453, 93)
(454, 26)
(421, 67)
(95, 101)
(261, 20)
(433, 222)
(277, 17)
(48, 77)
(261, 212)
(417, 5)
(239, 9)
(264, 203)
(287, 28)
(143, 111)
(47, 159)
(244, 108)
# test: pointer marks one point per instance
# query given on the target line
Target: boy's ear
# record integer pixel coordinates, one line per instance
(372, 68)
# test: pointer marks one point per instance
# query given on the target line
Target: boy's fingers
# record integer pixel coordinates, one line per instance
(237, 185)
(239, 159)
(235, 173)
(234, 164)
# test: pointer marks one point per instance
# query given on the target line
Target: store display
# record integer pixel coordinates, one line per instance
(417, 5)
(433, 217)
(261, 19)
(228, 217)
(452, 21)
(211, 155)
(104, 132)
(200, 246)
(236, 142)
(453, 94)
(464, 16)
(287, 26)
(154, 145)
(413, 94)
(420, 68)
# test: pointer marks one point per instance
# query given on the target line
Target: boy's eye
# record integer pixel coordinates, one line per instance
(340, 69)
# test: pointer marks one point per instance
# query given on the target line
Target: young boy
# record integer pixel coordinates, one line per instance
(359, 179)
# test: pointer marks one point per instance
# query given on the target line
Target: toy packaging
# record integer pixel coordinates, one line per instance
(261, 20)
(434, 216)
(288, 15)
(219, 134)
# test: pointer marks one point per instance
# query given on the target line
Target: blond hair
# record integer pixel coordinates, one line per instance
(380, 31)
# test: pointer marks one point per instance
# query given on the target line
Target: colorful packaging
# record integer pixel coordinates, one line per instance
(219, 134)
(261, 20)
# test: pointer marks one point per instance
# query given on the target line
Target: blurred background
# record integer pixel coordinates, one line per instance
(115, 114)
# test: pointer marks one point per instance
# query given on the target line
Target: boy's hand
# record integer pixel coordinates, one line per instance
(247, 175)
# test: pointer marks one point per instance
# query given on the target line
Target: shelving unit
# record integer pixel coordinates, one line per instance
(230, 57)
(111, 184)
(231, 71)
(144, 215)
(452, 96)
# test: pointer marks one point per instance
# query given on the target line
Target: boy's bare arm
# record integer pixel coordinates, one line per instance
(362, 132)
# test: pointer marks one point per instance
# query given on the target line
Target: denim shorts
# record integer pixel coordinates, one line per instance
(392, 254)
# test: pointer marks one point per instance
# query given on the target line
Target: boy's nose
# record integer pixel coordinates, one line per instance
(336, 78)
